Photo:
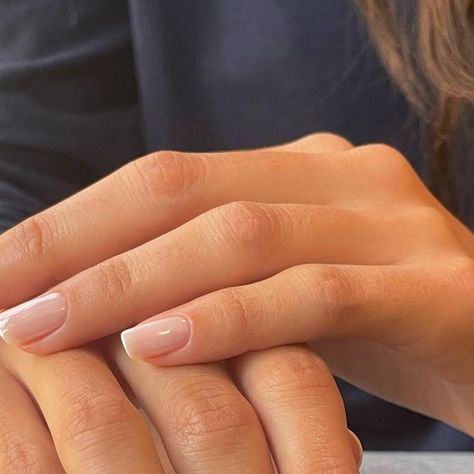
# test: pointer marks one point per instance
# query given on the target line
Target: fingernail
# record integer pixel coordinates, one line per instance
(357, 448)
(156, 338)
(33, 320)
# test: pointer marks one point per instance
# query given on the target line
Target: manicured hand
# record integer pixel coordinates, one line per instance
(152, 235)
(66, 412)
(199, 419)
(240, 251)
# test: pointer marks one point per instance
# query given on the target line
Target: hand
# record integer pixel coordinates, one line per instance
(350, 246)
(206, 423)
(80, 244)
(67, 413)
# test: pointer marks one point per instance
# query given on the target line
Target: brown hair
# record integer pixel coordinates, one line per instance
(428, 47)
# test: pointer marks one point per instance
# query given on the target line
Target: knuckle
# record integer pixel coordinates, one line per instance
(467, 271)
(384, 152)
(114, 278)
(426, 215)
(255, 228)
(389, 160)
(167, 173)
(294, 371)
(429, 225)
(329, 140)
(204, 411)
(320, 142)
(462, 278)
(92, 416)
(339, 292)
(18, 456)
(238, 310)
(35, 236)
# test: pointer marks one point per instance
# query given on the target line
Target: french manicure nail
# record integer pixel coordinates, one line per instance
(33, 320)
(156, 338)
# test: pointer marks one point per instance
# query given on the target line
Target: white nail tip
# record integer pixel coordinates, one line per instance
(4, 318)
(123, 337)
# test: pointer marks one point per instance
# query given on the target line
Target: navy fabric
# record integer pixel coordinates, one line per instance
(87, 85)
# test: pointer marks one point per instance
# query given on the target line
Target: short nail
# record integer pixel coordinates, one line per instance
(33, 320)
(356, 448)
(156, 338)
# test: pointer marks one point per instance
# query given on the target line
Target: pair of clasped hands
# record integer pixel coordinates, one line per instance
(243, 257)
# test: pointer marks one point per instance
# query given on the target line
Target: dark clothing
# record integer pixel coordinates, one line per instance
(87, 85)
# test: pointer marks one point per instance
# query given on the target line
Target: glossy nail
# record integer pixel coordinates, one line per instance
(156, 338)
(33, 320)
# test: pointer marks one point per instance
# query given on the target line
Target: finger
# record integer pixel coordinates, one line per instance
(25, 443)
(146, 198)
(94, 426)
(223, 245)
(204, 421)
(300, 407)
(307, 302)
